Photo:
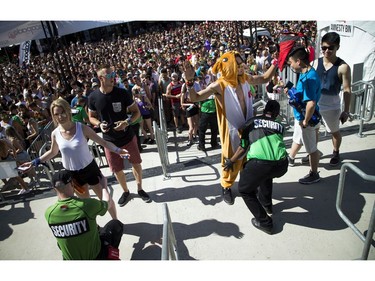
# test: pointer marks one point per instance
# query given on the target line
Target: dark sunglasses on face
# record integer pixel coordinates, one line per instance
(331, 48)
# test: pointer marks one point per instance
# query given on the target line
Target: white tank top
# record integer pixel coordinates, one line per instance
(75, 152)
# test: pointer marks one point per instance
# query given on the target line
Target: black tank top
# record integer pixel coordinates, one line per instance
(329, 79)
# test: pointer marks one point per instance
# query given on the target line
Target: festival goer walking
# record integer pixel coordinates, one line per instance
(334, 73)
(308, 86)
(234, 105)
(108, 108)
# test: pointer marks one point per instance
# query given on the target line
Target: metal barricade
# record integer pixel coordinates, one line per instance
(38, 147)
(169, 247)
(161, 141)
(285, 109)
(98, 153)
(7, 171)
(161, 136)
(340, 191)
(364, 95)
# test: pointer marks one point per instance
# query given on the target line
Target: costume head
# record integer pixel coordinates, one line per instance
(227, 66)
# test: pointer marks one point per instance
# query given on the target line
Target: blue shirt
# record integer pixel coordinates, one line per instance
(309, 85)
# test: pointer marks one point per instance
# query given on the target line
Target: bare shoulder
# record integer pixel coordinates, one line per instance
(344, 68)
(215, 88)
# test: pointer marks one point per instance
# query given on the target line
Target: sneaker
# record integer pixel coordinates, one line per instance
(310, 178)
(179, 130)
(227, 195)
(335, 160)
(265, 227)
(144, 196)
(151, 141)
(146, 141)
(291, 161)
(23, 191)
(190, 143)
(201, 148)
(123, 198)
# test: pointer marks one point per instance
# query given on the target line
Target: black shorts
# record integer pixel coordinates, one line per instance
(147, 116)
(193, 111)
(89, 175)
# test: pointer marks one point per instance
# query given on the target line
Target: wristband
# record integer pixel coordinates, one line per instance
(128, 120)
(35, 162)
(275, 62)
(118, 150)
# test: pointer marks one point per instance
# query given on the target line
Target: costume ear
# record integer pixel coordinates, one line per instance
(217, 67)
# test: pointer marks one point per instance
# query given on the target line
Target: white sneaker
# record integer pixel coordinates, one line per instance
(23, 191)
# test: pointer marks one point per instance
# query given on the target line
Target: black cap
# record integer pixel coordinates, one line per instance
(273, 107)
(62, 176)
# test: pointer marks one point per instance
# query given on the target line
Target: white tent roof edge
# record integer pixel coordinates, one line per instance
(15, 32)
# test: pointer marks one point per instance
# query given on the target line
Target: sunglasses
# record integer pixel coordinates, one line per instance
(110, 75)
(331, 48)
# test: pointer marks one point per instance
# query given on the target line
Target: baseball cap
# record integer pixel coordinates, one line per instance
(64, 177)
(272, 106)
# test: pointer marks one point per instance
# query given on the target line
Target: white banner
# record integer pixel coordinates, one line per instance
(15, 32)
(343, 28)
(24, 56)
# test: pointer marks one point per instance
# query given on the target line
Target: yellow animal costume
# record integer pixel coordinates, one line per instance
(229, 113)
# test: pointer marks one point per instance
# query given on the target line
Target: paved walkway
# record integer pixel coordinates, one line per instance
(307, 225)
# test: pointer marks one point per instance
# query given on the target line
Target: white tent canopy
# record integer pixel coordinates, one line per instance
(357, 45)
(15, 32)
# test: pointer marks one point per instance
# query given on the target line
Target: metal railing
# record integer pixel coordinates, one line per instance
(161, 136)
(161, 142)
(364, 95)
(340, 191)
(98, 153)
(169, 247)
(40, 144)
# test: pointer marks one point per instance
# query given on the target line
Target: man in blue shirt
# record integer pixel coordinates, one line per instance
(308, 86)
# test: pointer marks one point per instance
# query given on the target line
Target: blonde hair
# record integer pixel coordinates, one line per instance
(60, 102)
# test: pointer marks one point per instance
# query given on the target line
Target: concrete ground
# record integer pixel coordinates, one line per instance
(307, 224)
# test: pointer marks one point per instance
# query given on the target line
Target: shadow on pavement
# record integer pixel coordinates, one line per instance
(319, 200)
(14, 216)
(149, 244)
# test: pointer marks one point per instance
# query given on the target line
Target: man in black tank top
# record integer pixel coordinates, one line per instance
(334, 75)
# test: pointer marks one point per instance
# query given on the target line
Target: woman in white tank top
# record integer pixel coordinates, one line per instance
(70, 139)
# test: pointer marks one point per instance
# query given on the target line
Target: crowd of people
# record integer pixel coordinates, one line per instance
(147, 65)
(116, 85)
